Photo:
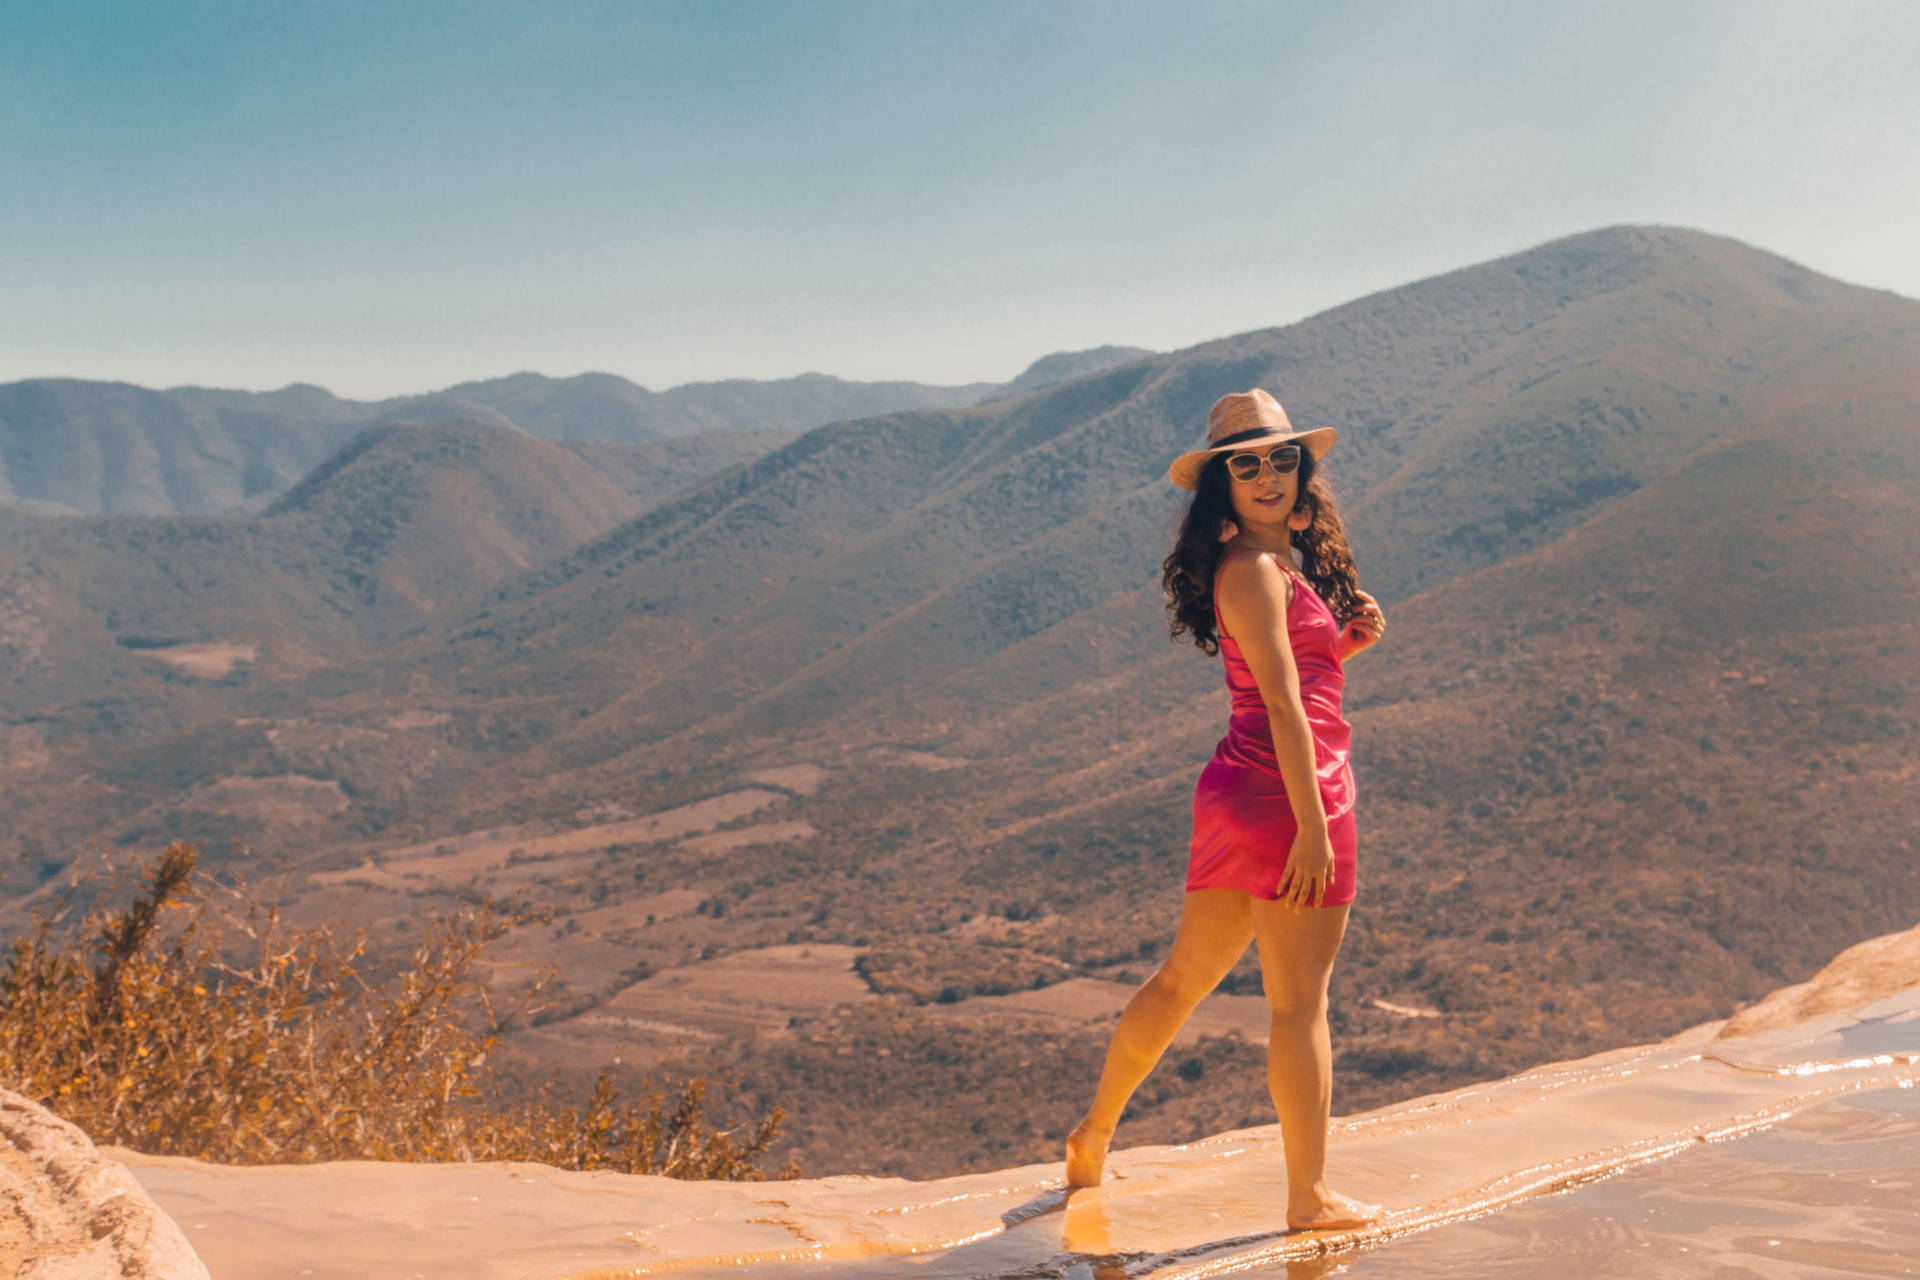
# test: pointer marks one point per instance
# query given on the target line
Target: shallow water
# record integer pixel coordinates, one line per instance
(1834, 1190)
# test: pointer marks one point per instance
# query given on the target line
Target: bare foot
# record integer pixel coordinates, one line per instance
(1331, 1210)
(1087, 1155)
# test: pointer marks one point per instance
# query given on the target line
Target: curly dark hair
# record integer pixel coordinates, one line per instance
(1187, 572)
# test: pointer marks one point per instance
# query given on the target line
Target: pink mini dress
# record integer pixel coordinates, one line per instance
(1243, 826)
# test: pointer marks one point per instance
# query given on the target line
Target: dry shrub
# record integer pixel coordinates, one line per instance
(946, 970)
(197, 1021)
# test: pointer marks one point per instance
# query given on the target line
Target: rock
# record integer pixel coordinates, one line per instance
(1862, 973)
(67, 1212)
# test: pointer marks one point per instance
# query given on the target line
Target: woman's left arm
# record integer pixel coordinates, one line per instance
(1362, 629)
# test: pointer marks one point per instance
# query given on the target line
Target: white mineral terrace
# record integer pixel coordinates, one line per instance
(1207, 1208)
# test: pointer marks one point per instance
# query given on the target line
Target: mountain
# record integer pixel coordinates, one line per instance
(1064, 366)
(943, 540)
(653, 470)
(89, 447)
(69, 446)
(138, 612)
(411, 516)
(1639, 502)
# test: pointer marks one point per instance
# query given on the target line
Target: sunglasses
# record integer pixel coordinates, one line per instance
(1283, 459)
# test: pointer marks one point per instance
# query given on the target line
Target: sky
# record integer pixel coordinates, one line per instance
(393, 197)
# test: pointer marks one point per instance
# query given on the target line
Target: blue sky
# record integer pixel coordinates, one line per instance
(393, 197)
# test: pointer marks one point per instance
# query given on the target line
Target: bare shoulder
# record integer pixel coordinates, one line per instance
(1253, 592)
(1255, 575)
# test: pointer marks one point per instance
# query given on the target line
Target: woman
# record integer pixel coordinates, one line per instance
(1272, 858)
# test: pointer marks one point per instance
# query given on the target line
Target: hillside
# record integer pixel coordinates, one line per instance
(409, 517)
(1064, 366)
(75, 447)
(652, 471)
(946, 539)
(891, 711)
(119, 632)
(402, 519)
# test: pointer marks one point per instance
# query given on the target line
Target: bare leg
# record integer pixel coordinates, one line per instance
(1215, 928)
(1297, 947)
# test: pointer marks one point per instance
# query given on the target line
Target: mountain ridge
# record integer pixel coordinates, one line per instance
(85, 447)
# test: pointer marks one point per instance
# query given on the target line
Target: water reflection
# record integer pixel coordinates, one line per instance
(1088, 1233)
(1833, 1190)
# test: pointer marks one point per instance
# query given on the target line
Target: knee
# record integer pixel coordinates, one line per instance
(1181, 985)
(1297, 1007)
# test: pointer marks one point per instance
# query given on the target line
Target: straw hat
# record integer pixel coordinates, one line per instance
(1243, 419)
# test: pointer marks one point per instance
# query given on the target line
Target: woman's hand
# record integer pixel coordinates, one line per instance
(1363, 629)
(1309, 872)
